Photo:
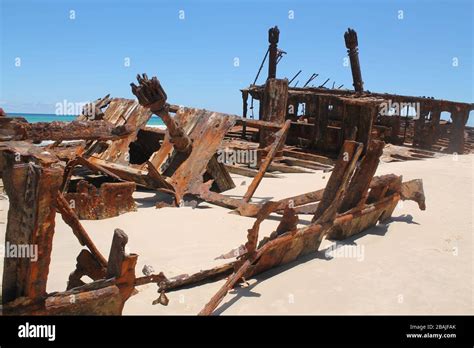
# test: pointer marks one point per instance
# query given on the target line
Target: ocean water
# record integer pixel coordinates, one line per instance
(154, 121)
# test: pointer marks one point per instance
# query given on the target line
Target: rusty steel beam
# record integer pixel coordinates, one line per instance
(71, 219)
(12, 129)
(32, 191)
(111, 199)
(278, 143)
(259, 124)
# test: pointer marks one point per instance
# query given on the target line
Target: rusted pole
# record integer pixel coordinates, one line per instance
(280, 138)
(350, 36)
(71, 219)
(456, 137)
(273, 36)
(273, 106)
(151, 95)
(245, 97)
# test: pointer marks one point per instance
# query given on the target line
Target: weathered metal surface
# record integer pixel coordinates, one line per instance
(288, 243)
(273, 37)
(70, 218)
(120, 112)
(109, 200)
(141, 176)
(12, 129)
(273, 107)
(413, 190)
(357, 191)
(95, 111)
(101, 301)
(338, 182)
(94, 167)
(350, 37)
(105, 296)
(206, 130)
(280, 137)
(395, 153)
(32, 179)
(87, 265)
(206, 137)
(182, 162)
(325, 125)
(32, 191)
(151, 95)
(219, 172)
(25, 152)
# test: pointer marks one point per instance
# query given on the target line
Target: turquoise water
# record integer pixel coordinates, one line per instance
(33, 118)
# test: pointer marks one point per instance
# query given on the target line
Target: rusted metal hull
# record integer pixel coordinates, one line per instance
(111, 199)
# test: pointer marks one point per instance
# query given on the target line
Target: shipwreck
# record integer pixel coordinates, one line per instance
(94, 164)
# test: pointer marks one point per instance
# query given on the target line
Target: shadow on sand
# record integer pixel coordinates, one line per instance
(379, 230)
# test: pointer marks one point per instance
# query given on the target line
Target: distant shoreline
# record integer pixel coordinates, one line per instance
(34, 118)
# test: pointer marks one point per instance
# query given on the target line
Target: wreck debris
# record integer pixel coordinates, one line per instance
(32, 180)
(87, 265)
(332, 116)
(340, 131)
(229, 284)
(32, 191)
(79, 160)
(17, 129)
(101, 297)
(292, 243)
(70, 218)
(356, 193)
(273, 37)
(280, 137)
(206, 130)
(350, 37)
(273, 108)
(151, 95)
(95, 111)
(336, 186)
(111, 199)
(119, 112)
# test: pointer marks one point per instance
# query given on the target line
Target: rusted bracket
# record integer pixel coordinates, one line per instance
(151, 95)
(70, 218)
(280, 137)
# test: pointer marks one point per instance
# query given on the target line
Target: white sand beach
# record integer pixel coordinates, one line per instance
(419, 263)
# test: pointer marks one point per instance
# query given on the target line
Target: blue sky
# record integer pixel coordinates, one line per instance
(84, 58)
